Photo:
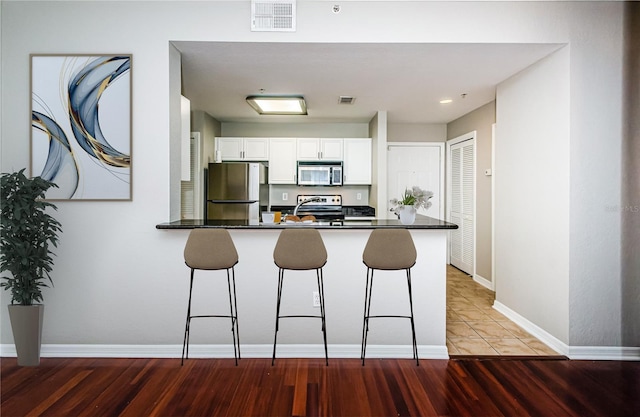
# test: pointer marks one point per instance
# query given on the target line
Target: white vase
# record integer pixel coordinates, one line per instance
(407, 215)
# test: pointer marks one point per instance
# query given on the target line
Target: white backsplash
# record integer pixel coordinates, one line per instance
(350, 194)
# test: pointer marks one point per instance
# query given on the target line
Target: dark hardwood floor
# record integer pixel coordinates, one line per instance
(305, 387)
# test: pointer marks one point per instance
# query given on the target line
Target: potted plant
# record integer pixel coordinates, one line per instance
(413, 199)
(26, 233)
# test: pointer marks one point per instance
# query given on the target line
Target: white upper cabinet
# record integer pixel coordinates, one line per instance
(282, 161)
(243, 149)
(283, 155)
(320, 149)
(357, 161)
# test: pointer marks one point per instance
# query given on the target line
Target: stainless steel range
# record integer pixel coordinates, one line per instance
(323, 207)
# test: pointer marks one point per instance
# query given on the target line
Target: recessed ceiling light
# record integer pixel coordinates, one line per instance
(280, 105)
(446, 101)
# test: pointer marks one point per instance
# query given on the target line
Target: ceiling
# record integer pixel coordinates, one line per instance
(406, 80)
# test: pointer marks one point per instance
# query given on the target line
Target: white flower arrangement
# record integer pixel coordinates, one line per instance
(413, 197)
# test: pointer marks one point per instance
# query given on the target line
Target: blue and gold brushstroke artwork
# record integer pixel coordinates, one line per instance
(81, 125)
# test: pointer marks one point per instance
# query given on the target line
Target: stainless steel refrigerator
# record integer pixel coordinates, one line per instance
(236, 191)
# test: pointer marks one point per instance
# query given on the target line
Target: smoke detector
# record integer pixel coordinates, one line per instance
(273, 15)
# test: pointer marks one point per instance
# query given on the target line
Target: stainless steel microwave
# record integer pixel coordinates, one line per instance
(319, 173)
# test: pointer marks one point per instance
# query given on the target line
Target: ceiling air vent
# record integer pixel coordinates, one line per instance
(346, 100)
(273, 15)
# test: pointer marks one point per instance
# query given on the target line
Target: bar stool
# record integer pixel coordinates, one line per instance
(388, 250)
(212, 250)
(300, 250)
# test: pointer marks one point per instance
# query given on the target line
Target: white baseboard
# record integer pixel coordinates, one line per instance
(572, 352)
(484, 282)
(317, 351)
(226, 351)
(546, 338)
(610, 353)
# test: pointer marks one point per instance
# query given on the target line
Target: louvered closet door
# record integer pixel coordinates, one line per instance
(190, 191)
(461, 210)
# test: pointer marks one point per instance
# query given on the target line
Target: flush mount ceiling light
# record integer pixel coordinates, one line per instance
(281, 105)
(446, 101)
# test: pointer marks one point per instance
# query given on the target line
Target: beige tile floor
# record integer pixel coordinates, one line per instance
(474, 327)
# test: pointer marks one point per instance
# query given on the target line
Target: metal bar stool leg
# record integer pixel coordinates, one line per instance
(232, 316)
(275, 336)
(364, 317)
(324, 325)
(413, 326)
(367, 312)
(235, 313)
(185, 343)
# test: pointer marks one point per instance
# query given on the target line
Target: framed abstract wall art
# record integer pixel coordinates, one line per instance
(81, 125)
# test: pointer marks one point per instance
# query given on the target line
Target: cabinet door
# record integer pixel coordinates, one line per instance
(256, 149)
(357, 161)
(331, 149)
(282, 161)
(230, 148)
(308, 149)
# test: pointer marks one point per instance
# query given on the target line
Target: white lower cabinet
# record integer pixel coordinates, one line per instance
(282, 161)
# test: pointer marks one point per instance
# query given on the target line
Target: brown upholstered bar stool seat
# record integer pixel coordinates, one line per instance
(300, 250)
(212, 250)
(388, 250)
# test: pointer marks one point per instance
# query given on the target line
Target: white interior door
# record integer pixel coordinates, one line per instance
(462, 204)
(418, 164)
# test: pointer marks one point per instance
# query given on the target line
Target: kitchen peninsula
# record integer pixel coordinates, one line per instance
(344, 280)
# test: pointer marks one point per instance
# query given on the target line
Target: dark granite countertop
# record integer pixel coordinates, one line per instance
(422, 222)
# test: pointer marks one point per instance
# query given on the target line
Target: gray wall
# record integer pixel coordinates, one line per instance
(416, 132)
(302, 130)
(630, 204)
(209, 128)
(480, 120)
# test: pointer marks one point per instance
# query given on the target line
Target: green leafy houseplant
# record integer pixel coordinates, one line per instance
(413, 197)
(26, 233)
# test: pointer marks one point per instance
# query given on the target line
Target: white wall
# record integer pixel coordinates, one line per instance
(595, 159)
(117, 276)
(532, 197)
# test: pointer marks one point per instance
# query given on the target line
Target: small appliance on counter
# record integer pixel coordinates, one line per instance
(235, 191)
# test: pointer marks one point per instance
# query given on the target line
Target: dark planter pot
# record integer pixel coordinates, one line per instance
(26, 324)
